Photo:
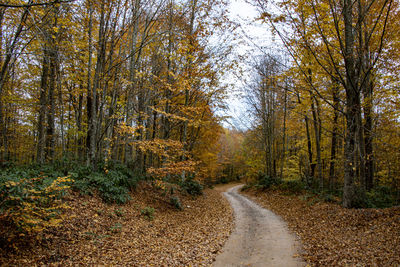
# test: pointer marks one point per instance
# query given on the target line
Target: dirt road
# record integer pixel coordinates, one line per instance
(260, 237)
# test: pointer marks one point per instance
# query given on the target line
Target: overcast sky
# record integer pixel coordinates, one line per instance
(251, 32)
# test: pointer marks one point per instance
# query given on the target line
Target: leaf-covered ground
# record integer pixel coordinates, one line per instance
(100, 234)
(334, 236)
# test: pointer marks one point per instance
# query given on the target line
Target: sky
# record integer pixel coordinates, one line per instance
(253, 35)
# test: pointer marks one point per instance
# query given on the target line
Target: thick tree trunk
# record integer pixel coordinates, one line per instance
(352, 108)
(101, 53)
(41, 142)
(350, 151)
(368, 113)
(50, 130)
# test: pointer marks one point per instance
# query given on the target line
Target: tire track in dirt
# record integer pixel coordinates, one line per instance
(260, 238)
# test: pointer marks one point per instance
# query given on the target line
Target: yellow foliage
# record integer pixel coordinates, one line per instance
(36, 209)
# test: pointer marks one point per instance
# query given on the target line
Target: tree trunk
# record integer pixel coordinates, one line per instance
(166, 122)
(317, 138)
(311, 166)
(284, 135)
(9, 53)
(41, 142)
(332, 175)
(189, 67)
(368, 113)
(50, 131)
(101, 53)
(352, 108)
(90, 100)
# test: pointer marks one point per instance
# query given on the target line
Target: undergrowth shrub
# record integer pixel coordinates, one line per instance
(292, 186)
(113, 180)
(111, 186)
(119, 212)
(148, 212)
(176, 202)
(381, 197)
(378, 197)
(330, 198)
(113, 183)
(191, 186)
(33, 204)
(265, 181)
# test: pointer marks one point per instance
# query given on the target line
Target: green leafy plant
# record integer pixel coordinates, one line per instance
(148, 213)
(119, 212)
(34, 204)
(100, 212)
(192, 187)
(176, 202)
(265, 182)
(292, 186)
(116, 228)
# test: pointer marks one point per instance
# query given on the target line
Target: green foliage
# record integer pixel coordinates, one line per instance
(83, 186)
(176, 202)
(113, 180)
(246, 187)
(116, 228)
(100, 212)
(381, 197)
(192, 187)
(113, 183)
(330, 198)
(148, 212)
(292, 186)
(111, 186)
(265, 182)
(33, 204)
(119, 212)
(378, 197)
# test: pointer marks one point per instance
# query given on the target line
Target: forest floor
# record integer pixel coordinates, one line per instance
(96, 233)
(334, 236)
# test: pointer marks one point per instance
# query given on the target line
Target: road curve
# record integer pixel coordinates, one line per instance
(260, 238)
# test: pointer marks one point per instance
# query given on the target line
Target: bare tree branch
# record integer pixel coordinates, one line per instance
(36, 4)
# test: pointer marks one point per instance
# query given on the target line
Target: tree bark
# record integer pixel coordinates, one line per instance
(352, 106)
(332, 174)
(41, 142)
(317, 135)
(283, 156)
(90, 100)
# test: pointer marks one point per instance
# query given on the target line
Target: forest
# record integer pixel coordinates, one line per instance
(326, 109)
(108, 102)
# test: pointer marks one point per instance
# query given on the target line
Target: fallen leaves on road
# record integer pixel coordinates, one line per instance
(101, 234)
(334, 236)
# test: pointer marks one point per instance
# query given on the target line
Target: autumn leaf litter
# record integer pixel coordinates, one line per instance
(100, 234)
(334, 236)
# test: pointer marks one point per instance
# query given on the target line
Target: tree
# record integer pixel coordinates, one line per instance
(345, 40)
